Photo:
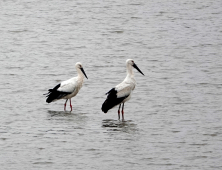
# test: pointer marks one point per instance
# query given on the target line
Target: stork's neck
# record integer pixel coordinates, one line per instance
(129, 70)
(80, 74)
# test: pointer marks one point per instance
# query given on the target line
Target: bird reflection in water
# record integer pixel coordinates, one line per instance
(115, 125)
(61, 115)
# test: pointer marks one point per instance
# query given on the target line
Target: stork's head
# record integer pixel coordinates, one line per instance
(132, 63)
(80, 67)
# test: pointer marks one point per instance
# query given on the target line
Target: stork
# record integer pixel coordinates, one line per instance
(122, 92)
(67, 89)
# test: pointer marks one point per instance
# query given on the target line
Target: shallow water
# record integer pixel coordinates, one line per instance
(173, 120)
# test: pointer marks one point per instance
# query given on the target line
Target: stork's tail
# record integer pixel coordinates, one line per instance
(105, 107)
(50, 95)
(55, 95)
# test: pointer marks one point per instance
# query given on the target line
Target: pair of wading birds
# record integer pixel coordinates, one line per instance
(116, 96)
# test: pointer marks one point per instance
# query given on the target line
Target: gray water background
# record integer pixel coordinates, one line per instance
(173, 120)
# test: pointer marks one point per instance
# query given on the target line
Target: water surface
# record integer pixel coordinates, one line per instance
(173, 120)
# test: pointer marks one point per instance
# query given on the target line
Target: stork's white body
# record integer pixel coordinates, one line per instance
(126, 87)
(72, 85)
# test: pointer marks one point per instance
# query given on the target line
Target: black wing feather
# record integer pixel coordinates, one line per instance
(53, 94)
(112, 100)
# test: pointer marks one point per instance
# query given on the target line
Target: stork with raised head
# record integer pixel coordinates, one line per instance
(122, 92)
(67, 89)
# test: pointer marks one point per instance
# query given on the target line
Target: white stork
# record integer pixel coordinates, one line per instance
(67, 89)
(122, 92)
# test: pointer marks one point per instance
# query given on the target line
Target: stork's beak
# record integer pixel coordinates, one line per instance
(83, 72)
(135, 66)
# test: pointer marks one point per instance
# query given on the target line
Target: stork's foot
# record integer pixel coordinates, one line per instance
(122, 115)
(123, 112)
(64, 107)
(70, 105)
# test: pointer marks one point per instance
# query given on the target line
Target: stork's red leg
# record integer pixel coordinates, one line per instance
(70, 104)
(119, 111)
(65, 105)
(123, 112)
